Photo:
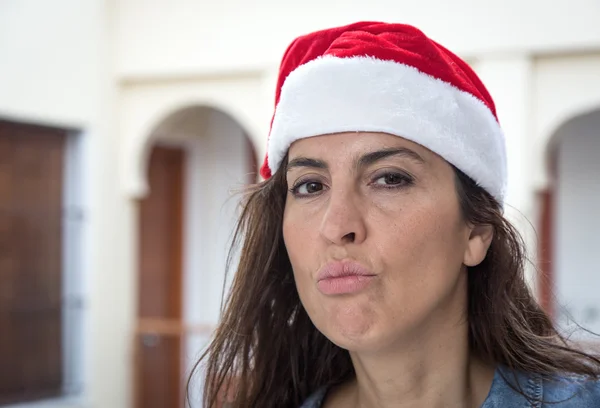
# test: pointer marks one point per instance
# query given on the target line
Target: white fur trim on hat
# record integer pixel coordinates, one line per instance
(333, 95)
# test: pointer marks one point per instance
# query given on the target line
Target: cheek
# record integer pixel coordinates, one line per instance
(295, 231)
(422, 253)
(299, 235)
(305, 251)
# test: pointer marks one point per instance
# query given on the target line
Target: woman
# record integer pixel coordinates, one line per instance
(377, 269)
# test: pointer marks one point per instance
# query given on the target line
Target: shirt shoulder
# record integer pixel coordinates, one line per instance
(518, 389)
(566, 391)
(571, 391)
(316, 399)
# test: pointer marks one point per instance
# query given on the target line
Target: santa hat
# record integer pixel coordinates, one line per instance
(391, 78)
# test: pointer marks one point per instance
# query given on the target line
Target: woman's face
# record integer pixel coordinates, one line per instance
(374, 233)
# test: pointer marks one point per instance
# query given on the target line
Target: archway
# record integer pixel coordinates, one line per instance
(194, 161)
(570, 243)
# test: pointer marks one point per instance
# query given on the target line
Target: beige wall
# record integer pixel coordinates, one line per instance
(167, 36)
(56, 68)
(564, 86)
(52, 60)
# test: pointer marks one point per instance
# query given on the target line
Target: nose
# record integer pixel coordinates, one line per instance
(343, 221)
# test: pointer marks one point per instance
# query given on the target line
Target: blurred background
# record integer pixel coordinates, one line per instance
(127, 125)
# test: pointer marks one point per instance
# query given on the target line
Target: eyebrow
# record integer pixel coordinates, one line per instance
(364, 161)
(375, 156)
(306, 162)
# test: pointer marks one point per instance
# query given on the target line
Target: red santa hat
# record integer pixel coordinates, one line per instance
(391, 78)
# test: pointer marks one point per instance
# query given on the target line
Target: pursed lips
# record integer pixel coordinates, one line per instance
(343, 277)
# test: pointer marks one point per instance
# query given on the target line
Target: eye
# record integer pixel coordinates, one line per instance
(307, 188)
(390, 180)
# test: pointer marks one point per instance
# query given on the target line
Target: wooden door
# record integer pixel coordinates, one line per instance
(545, 250)
(158, 342)
(31, 196)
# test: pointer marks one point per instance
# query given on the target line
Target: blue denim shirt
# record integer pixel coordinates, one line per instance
(559, 392)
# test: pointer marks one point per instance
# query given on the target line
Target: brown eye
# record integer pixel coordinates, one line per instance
(390, 180)
(307, 188)
(313, 187)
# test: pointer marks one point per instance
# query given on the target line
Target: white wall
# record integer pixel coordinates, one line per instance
(577, 236)
(51, 61)
(509, 79)
(56, 68)
(564, 86)
(186, 36)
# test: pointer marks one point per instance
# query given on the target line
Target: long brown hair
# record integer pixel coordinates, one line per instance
(267, 353)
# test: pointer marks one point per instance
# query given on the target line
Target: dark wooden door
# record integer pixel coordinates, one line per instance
(158, 339)
(31, 196)
(545, 250)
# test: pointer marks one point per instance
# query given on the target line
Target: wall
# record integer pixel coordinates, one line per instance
(179, 37)
(509, 78)
(56, 68)
(50, 61)
(577, 240)
(563, 86)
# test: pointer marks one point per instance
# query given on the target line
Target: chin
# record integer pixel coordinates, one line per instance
(355, 332)
(360, 328)
(360, 343)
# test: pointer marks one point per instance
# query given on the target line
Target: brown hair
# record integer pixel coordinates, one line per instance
(267, 353)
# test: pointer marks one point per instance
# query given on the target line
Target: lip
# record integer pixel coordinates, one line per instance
(339, 278)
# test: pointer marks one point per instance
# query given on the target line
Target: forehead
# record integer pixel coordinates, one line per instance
(352, 145)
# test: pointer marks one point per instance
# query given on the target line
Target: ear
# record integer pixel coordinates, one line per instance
(478, 244)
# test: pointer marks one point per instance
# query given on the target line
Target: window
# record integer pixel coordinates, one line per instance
(37, 309)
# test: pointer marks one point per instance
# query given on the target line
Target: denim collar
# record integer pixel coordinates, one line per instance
(502, 393)
(517, 389)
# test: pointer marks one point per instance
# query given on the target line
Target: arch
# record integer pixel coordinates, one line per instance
(156, 127)
(556, 212)
(574, 125)
(190, 216)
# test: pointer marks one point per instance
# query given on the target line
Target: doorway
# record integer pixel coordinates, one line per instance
(160, 329)
(569, 229)
(200, 160)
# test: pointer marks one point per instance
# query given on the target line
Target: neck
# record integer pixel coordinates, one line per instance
(432, 369)
(420, 382)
